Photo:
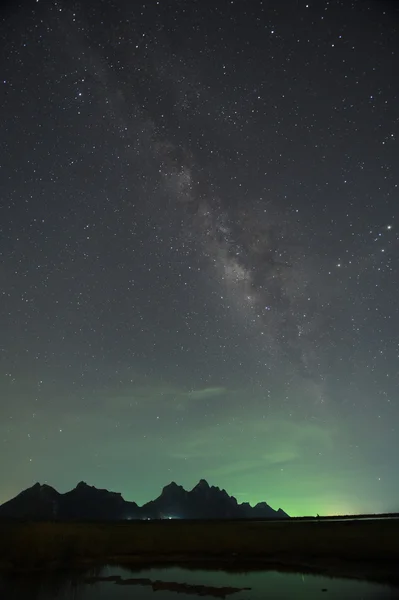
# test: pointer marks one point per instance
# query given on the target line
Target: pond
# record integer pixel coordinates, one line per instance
(117, 583)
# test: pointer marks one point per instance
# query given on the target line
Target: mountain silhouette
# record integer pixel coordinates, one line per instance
(88, 503)
(38, 502)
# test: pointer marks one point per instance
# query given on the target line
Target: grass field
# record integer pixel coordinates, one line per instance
(31, 545)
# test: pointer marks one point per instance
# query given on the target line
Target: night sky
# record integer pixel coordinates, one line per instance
(199, 244)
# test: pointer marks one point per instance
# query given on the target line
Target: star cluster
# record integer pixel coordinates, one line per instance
(199, 248)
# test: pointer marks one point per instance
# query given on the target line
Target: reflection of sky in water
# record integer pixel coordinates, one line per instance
(271, 585)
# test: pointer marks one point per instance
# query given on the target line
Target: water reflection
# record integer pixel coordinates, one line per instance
(116, 583)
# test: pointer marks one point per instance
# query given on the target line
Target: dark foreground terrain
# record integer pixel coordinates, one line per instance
(362, 549)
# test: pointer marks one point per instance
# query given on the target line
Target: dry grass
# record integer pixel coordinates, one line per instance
(35, 545)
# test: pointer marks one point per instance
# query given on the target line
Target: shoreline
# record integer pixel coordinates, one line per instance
(381, 572)
(362, 550)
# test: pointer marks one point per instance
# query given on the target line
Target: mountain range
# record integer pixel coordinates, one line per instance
(85, 502)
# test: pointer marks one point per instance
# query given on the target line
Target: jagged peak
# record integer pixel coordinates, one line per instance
(82, 485)
(38, 488)
(44, 487)
(41, 486)
(202, 485)
(172, 486)
(84, 488)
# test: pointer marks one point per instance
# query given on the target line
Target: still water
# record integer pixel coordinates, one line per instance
(115, 583)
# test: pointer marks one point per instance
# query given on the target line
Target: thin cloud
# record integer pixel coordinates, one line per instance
(206, 393)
